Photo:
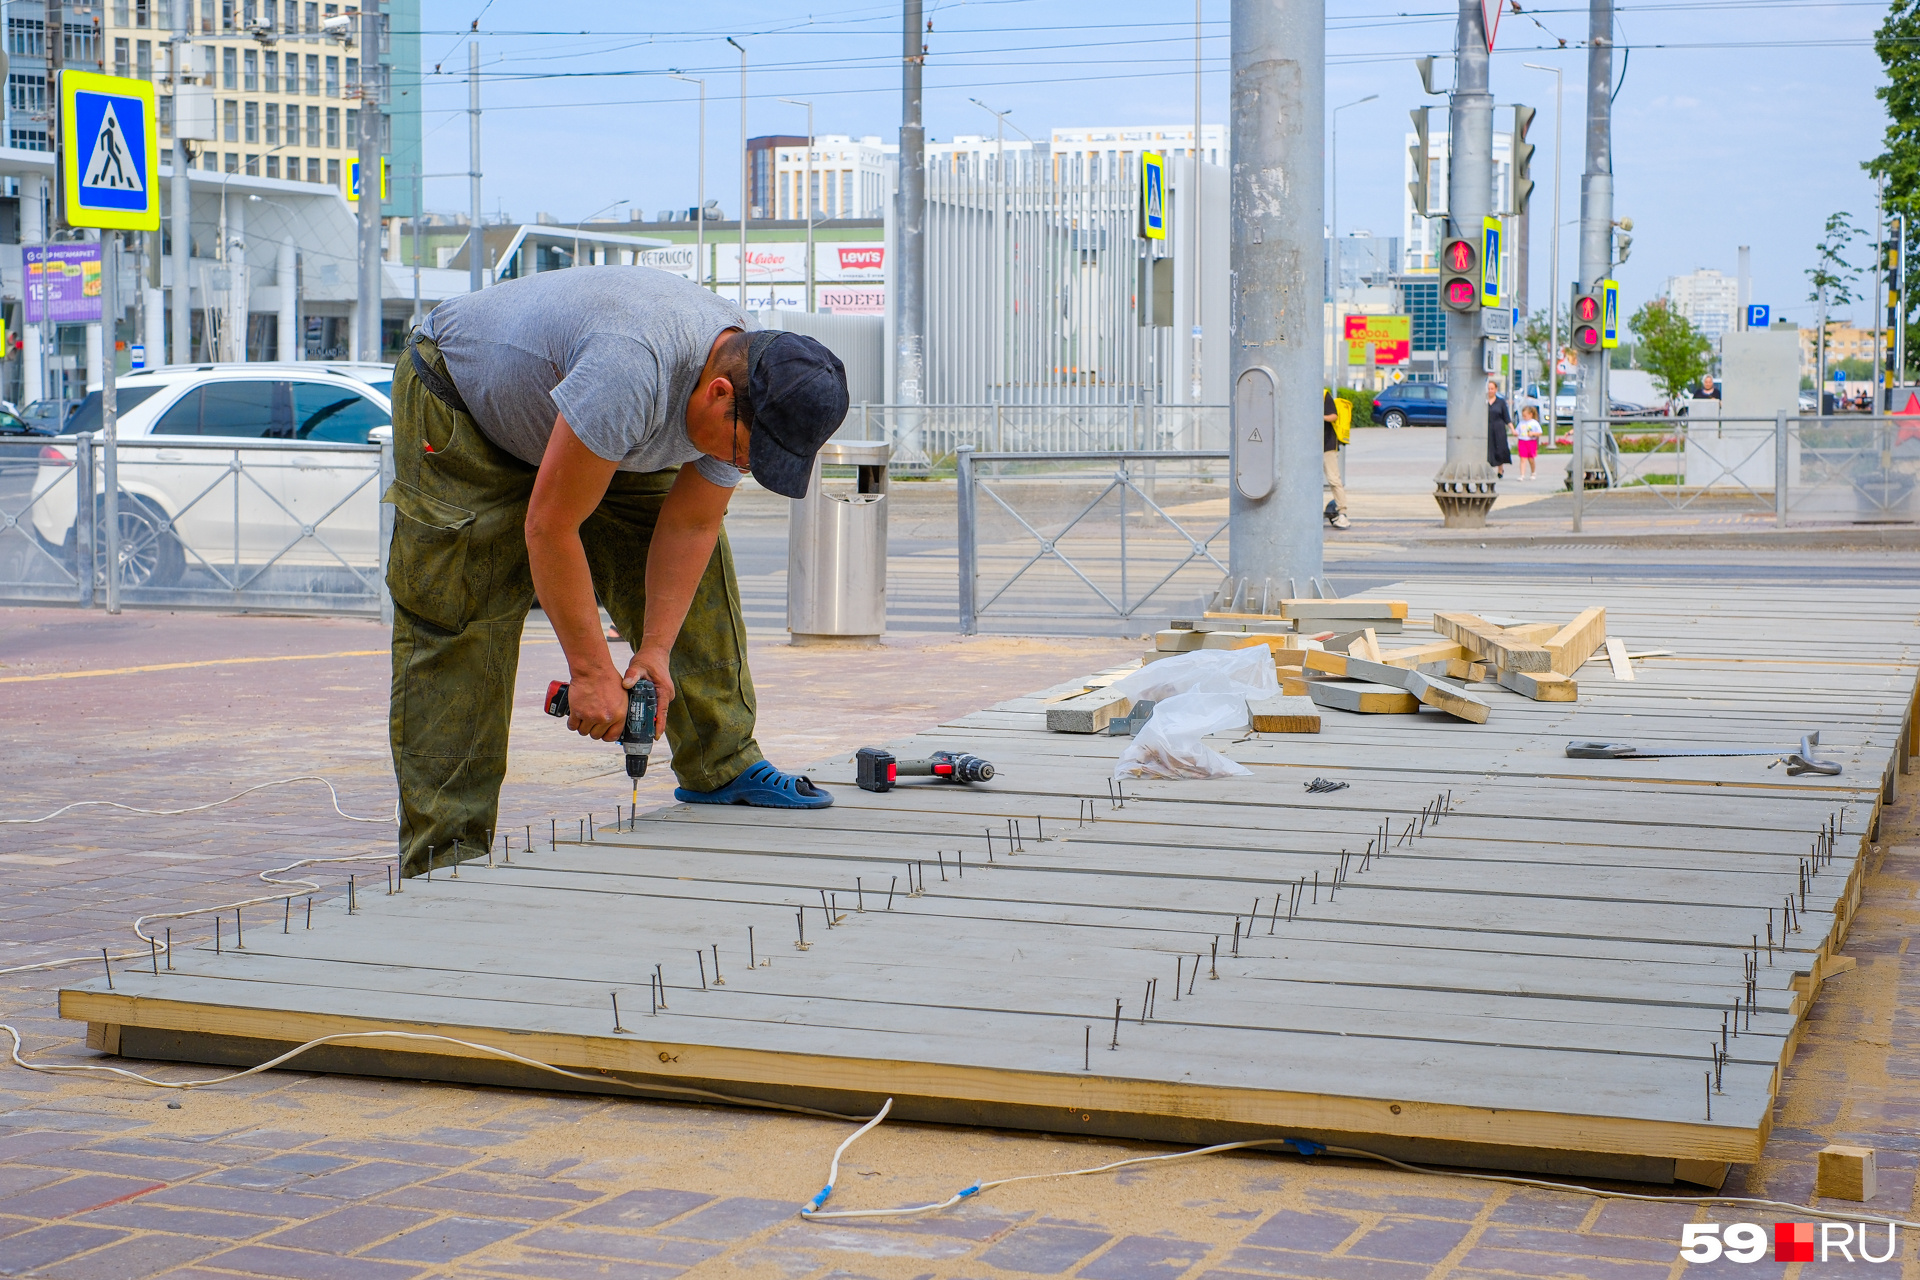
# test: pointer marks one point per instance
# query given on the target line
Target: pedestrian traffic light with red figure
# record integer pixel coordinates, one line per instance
(1460, 275)
(1589, 331)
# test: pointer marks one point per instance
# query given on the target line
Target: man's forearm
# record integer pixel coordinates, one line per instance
(676, 560)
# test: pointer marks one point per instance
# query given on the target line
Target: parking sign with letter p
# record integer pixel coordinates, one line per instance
(109, 148)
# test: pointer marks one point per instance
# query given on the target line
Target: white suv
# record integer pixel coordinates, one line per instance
(264, 494)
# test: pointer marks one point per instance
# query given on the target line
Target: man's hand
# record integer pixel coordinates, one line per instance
(652, 663)
(571, 482)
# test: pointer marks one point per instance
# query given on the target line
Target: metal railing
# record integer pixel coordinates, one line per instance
(926, 437)
(202, 524)
(1836, 468)
(1109, 530)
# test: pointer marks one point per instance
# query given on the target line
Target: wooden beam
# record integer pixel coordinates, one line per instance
(1442, 696)
(1531, 632)
(1178, 641)
(1284, 714)
(1088, 713)
(1342, 610)
(1489, 642)
(1465, 670)
(1363, 698)
(1420, 655)
(1541, 686)
(1574, 643)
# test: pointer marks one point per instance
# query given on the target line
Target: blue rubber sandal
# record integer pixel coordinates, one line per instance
(764, 787)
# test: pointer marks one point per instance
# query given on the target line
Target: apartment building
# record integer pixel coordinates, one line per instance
(286, 89)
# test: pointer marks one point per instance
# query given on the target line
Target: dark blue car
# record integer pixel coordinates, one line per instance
(1418, 404)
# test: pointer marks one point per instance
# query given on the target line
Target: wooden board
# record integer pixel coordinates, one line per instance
(1617, 657)
(1343, 610)
(1574, 643)
(1489, 642)
(1284, 714)
(1522, 968)
(1541, 686)
(1088, 713)
(1420, 655)
(1363, 698)
(1441, 696)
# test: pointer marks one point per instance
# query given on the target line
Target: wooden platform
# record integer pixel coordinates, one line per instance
(1535, 982)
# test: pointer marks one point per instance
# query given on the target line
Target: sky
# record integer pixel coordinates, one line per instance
(1736, 122)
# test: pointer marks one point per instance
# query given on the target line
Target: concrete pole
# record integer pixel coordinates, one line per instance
(181, 350)
(476, 237)
(746, 175)
(1278, 93)
(910, 272)
(372, 272)
(238, 282)
(284, 284)
(1464, 489)
(1596, 223)
(110, 406)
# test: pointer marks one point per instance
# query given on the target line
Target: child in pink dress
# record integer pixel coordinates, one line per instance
(1529, 433)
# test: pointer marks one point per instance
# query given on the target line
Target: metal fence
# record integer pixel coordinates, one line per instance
(927, 437)
(1094, 535)
(1836, 468)
(202, 524)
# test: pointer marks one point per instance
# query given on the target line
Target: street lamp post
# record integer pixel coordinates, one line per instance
(1333, 248)
(745, 178)
(589, 218)
(700, 214)
(1553, 309)
(796, 102)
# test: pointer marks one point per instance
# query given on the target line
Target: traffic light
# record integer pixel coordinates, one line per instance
(1460, 275)
(1589, 317)
(1522, 158)
(1417, 153)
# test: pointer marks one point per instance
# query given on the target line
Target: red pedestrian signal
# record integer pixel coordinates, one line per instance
(1588, 331)
(1460, 275)
(1586, 309)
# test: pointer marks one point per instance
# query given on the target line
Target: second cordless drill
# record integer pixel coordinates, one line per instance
(636, 738)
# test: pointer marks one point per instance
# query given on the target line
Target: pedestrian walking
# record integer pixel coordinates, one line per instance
(1332, 436)
(1499, 457)
(1529, 442)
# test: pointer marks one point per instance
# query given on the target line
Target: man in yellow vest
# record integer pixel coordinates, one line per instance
(1338, 415)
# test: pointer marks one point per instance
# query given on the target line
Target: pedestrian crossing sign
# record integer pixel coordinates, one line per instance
(353, 181)
(109, 145)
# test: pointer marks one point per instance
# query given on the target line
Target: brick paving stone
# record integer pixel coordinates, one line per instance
(1543, 1209)
(1559, 1264)
(291, 1264)
(133, 1259)
(1411, 1239)
(454, 1136)
(174, 1149)
(17, 1178)
(640, 1209)
(1319, 1266)
(144, 1215)
(1044, 1248)
(1628, 1248)
(450, 1200)
(624, 1245)
(1146, 1258)
(445, 1240)
(275, 1172)
(14, 1226)
(876, 1244)
(1389, 1202)
(734, 1218)
(280, 1205)
(392, 1149)
(155, 1169)
(27, 1142)
(1638, 1218)
(533, 1264)
(347, 1230)
(75, 1195)
(364, 1180)
(31, 1250)
(515, 1185)
(1289, 1229)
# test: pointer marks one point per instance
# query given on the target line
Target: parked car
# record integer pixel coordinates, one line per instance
(1419, 404)
(182, 499)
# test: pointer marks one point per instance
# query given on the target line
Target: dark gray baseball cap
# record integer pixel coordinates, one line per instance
(796, 399)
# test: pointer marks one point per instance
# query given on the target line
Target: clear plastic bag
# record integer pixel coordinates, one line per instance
(1194, 694)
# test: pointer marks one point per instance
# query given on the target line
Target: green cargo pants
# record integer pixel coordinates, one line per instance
(462, 587)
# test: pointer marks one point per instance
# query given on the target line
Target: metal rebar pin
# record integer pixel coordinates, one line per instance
(309, 911)
(941, 854)
(554, 833)
(892, 884)
(700, 957)
(1274, 918)
(1316, 886)
(753, 958)
(154, 945)
(1153, 996)
(1087, 1065)
(108, 966)
(661, 977)
(286, 913)
(1146, 990)
(859, 896)
(718, 981)
(1194, 976)
(389, 880)
(960, 862)
(1213, 966)
(1039, 826)
(216, 935)
(833, 901)
(169, 950)
(429, 864)
(1252, 916)
(1723, 1033)
(801, 915)
(1709, 1095)
(653, 999)
(1236, 935)
(1116, 1026)
(456, 858)
(1178, 963)
(617, 1028)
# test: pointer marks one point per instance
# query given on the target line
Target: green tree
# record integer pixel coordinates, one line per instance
(1536, 335)
(1670, 348)
(1898, 44)
(1833, 279)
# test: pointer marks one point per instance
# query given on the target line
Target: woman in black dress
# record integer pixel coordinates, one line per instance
(1499, 457)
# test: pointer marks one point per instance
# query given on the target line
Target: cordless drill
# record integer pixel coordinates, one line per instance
(877, 770)
(643, 706)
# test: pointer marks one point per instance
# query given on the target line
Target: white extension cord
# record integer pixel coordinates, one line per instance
(154, 946)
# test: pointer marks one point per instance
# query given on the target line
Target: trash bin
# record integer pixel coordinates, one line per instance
(837, 548)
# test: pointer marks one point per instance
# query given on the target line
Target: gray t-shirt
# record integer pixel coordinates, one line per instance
(616, 349)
